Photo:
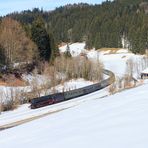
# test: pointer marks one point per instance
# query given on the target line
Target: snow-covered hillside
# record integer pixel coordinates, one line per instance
(91, 121)
(113, 60)
(75, 49)
(112, 122)
(24, 112)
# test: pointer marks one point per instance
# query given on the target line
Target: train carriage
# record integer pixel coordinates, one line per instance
(73, 93)
(91, 88)
(59, 97)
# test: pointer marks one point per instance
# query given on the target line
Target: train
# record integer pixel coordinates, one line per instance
(64, 96)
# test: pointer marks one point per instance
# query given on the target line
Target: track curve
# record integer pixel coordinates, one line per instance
(71, 94)
(102, 85)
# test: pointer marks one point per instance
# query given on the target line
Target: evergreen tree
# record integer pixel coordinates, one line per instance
(41, 38)
(98, 25)
(2, 56)
(67, 53)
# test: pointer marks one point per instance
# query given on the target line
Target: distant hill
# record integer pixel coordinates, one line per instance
(133, 2)
(105, 25)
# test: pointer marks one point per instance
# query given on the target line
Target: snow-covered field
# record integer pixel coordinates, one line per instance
(95, 120)
(75, 48)
(72, 84)
(24, 112)
(112, 122)
(116, 62)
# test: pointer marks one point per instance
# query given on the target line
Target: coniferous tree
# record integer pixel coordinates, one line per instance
(41, 38)
(98, 25)
(67, 53)
(2, 56)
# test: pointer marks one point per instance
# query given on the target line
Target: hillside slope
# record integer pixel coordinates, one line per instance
(116, 121)
(103, 25)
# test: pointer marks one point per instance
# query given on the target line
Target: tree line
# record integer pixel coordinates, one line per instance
(25, 44)
(35, 33)
(104, 25)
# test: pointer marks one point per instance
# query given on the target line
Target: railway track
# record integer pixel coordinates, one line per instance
(16, 123)
(106, 82)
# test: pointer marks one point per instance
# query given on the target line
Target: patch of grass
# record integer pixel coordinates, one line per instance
(109, 50)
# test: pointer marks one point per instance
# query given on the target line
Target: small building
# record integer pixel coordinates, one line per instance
(144, 74)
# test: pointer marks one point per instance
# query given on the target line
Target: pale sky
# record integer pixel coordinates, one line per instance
(8, 6)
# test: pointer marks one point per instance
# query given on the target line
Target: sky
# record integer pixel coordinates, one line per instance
(8, 6)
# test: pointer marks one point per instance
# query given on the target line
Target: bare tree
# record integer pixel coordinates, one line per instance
(18, 47)
(1, 101)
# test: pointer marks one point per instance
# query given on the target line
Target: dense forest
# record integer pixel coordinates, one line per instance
(25, 44)
(104, 25)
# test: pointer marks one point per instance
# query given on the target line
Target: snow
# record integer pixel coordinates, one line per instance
(145, 71)
(116, 62)
(24, 111)
(75, 48)
(39, 79)
(109, 60)
(116, 121)
(6, 92)
(73, 84)
(95, 120)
